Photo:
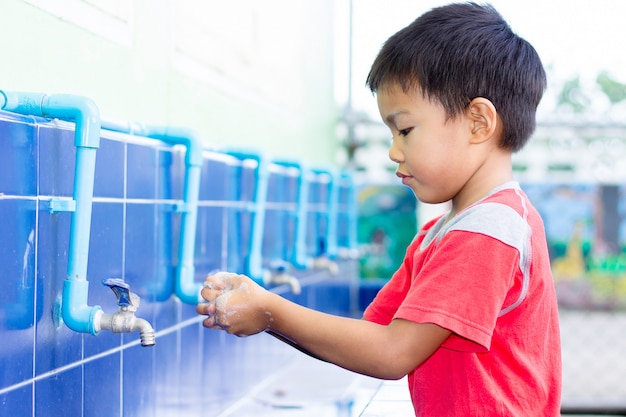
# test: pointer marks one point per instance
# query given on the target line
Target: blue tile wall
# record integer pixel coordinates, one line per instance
(18, 159)
(46, 368)
(56, 160)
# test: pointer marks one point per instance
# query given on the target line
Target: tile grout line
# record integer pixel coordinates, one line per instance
(100, 355)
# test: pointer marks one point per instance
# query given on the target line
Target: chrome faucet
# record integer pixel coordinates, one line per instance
(124, 320)
(324, 262)
(278, 275)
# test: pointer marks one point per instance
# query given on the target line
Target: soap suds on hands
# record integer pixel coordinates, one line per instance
(224, 285)
(233, 297)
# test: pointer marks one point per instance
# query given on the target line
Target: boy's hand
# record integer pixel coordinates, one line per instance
(235, 303)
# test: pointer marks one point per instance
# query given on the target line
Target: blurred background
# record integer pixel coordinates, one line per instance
(288, 78)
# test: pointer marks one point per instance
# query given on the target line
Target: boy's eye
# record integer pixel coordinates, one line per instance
(404, 132)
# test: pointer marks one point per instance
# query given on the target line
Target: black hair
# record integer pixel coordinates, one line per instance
(461, 51)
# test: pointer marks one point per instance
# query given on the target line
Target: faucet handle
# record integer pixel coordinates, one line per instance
(278, 266)
(125, 298)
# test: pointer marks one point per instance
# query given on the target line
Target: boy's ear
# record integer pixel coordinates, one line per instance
(483, 119)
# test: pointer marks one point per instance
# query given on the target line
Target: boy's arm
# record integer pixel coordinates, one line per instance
(241, 307)
(387, 352)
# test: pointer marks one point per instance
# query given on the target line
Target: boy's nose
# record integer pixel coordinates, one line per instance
(394, 153)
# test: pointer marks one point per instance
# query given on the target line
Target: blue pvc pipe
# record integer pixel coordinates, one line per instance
(300, 259)
(353, 210)
(76, 313)
(333, 204)
(331, 214)
(186, 289)
(185, 286)
(254, 265)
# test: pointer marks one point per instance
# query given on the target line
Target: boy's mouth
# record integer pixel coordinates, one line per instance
(404, 177)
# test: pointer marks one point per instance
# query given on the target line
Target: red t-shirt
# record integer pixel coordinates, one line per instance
(485, 275)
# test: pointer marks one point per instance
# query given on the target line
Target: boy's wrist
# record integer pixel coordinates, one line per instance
(268, 308)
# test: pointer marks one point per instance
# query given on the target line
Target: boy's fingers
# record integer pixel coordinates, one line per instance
(201, 309)
(214, 283)
(212, 323)
(210, 294)
(220, 280)
(205, 309)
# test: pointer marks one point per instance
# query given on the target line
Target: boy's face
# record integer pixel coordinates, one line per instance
(433, 154)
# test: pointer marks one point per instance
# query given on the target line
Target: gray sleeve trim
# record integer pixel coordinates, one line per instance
(510, 228)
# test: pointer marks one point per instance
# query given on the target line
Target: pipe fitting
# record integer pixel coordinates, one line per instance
(278, 275)
(282, 278)
(324, 263)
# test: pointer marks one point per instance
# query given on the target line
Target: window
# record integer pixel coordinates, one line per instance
(111, 19)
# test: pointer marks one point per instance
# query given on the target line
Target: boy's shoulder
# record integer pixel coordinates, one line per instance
(510, 195)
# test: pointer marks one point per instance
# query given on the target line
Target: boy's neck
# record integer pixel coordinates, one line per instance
(496, 170)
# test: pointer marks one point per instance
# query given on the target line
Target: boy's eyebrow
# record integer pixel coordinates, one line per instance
(391, 118)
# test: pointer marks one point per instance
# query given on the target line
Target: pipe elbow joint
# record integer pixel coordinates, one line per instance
(186, 288)
(83, 110)
(181, 136)
(195, 148)
(81, 318)
(77, 315)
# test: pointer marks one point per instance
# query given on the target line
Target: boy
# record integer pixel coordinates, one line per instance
(471, 314)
